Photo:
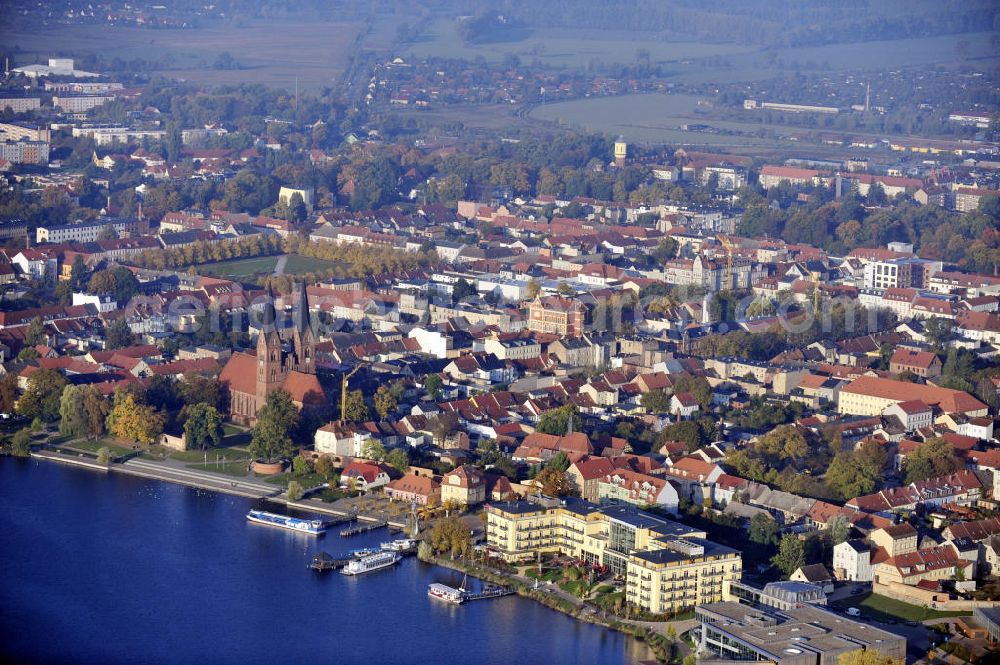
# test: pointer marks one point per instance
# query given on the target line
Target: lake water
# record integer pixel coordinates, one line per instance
(113, 569)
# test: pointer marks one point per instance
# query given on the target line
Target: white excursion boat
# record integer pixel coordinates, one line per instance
(314, 527)
(446, 593)
(401, 545)
(369, 563)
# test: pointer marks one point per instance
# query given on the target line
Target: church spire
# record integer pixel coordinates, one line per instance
(300, 313)
(269, 316)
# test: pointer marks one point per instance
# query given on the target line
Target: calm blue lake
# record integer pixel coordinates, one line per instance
(112, 569)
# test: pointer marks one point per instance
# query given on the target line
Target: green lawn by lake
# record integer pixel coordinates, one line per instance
(237, 469)
(307, 481)
(87, 446)
(225, 454)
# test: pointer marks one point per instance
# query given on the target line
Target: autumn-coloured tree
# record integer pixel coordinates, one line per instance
(135, 422)
(867, 657)
(385, 402)
(553, 482)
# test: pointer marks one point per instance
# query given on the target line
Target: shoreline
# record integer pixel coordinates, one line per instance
(660, 646)
(203, 480)
(657, 644)
(61, 458)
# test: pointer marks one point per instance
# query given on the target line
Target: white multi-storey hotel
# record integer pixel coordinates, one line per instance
(667, 566)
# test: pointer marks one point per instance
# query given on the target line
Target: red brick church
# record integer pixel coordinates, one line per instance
(289, 364)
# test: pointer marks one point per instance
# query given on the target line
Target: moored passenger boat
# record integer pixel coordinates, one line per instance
(314, 527)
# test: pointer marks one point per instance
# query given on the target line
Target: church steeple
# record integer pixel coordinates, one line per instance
(270, 370)
(300, 312)
(303, 340)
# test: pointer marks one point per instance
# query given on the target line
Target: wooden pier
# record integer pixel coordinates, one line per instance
(364, 528)
(490, 591)
(340, 520)
(323, 562)
(462, 595)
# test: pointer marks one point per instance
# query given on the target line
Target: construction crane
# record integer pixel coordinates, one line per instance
(728, 245)
(343, 392)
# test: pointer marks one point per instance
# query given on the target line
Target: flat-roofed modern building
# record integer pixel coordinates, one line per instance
(802, 635)
(667, 566)
(989, 617)
(19, 103)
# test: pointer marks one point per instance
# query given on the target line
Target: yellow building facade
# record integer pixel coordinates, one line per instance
(666, 566)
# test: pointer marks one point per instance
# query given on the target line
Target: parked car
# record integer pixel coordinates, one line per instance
(853, 612)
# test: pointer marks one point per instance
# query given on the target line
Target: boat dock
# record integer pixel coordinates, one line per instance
(459, 596)
(489, 591)
(364, 528)
(323, 562)
(341, 520)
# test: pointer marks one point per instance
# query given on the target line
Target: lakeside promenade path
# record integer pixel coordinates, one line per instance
(177, 473)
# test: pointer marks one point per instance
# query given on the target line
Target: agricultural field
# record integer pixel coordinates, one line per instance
(702, 62)
(651, 118)
(558, 47)
(318, 59)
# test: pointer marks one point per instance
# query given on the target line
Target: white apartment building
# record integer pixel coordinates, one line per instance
(79, 103)
(19, 104)
(852, 561)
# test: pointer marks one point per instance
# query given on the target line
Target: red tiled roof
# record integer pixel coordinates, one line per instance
(240, 373)
(413, 484)
(910, 358)
(691, 467)
(950, 401)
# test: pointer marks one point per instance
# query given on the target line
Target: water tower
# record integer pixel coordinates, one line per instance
(621, 151)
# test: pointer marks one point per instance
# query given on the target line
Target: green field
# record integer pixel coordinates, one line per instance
(272, 52)
(261, 266)
(229, 461)
(199, 456)
(881, 608)
(84, 445)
